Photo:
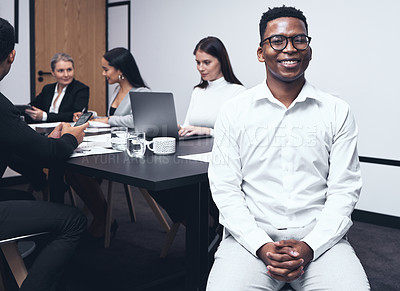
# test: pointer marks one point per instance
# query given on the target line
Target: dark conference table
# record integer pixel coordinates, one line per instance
(159, 173)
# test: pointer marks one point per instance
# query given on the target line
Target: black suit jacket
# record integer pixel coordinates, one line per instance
(20, 139)
(75, 99)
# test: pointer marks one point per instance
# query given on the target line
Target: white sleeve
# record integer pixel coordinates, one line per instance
(226, 177)
(44, 116)
(344, 186)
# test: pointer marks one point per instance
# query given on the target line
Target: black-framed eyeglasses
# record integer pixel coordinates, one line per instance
(279, 42)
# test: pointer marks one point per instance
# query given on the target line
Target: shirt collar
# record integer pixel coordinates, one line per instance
(217, 83)
(63, 90)
(263, 92)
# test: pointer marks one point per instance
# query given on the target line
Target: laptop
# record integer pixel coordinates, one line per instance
(154, 113)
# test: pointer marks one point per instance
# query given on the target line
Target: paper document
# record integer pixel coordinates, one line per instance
(101, 140)
(98, 124)
(96, 150)
(94, 145)
(97, 129)
(44, 125)
(98, 138)
(203, 157)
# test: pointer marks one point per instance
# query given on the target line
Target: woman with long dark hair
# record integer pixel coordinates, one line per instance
(119, 67)
(218, 83)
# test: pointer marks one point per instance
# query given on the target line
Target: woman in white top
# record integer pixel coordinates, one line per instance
(119, 66)
(218, 83)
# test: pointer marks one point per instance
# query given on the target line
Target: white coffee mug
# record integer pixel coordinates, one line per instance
(162, 145)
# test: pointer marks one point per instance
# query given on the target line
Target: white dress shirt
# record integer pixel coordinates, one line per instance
(54, 107)
(285, 167)
(206, 103)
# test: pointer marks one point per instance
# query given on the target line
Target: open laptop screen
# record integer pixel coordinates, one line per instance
(154, 113)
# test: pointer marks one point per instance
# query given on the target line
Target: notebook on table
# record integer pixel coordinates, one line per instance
(154, 113)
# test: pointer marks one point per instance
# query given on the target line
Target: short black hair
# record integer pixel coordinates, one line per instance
(278, 12)
(7, 39)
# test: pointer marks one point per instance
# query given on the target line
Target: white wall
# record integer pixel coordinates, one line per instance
(16, 85)
(118, 35)
(354, 44)
(380, 189)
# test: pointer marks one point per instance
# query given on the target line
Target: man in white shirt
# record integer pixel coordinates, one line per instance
(285, 175)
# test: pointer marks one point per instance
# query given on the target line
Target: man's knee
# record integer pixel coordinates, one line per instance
(337, 269)
(74, 221)
(236, 269)
(79, 219)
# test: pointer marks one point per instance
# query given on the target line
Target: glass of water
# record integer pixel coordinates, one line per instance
(118, 138)
(136, 144)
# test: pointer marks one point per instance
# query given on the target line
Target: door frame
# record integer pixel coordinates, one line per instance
(108, 6)
(32, 48)
(32, 41)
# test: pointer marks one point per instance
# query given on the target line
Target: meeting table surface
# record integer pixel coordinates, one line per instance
(187, 166)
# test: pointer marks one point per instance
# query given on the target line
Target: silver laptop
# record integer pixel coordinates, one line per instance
(154, 113)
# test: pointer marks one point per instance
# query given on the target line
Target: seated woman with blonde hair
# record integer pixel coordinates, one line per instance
(58, 101)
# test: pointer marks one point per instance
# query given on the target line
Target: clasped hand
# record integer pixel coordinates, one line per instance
(63, 128)
(285, 259)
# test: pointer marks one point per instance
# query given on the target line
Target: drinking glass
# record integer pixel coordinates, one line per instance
(118, 138)
(136, 144)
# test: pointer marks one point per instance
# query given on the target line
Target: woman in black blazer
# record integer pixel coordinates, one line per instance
(59, 101)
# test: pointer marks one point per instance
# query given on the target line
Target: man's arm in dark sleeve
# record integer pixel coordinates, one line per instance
(22, 140)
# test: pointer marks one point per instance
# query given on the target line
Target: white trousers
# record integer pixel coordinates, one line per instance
(236, 269)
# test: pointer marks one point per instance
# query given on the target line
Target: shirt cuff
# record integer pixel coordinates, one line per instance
(324, 236)
(44, 117)
(254, 240)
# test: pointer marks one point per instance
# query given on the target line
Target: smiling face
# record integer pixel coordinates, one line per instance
(289, 64)
(208, 66)
(64, 73)
(109, 72)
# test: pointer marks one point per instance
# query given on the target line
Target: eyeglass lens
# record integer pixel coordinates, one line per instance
(279, 42)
